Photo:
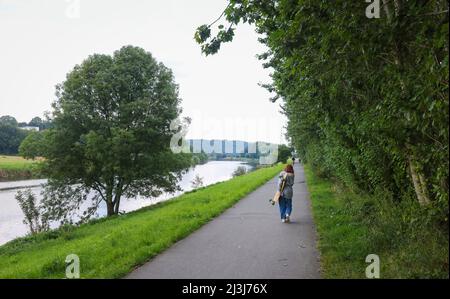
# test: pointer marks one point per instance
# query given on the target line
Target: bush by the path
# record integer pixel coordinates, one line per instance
(351, 226)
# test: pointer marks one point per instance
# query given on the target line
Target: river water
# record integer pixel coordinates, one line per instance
(11, 216)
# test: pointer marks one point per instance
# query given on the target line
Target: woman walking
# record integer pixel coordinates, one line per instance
(285, 184)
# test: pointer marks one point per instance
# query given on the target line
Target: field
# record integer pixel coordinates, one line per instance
(15, 163)
(17, 168)
(111, 248)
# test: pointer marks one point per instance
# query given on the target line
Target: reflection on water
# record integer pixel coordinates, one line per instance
(11, 216)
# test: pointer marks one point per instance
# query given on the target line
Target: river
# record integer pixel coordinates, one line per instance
(11, 216)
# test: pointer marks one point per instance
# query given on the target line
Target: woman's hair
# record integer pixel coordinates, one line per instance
(289, 169)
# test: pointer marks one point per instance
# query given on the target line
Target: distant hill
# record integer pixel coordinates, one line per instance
(228, 148)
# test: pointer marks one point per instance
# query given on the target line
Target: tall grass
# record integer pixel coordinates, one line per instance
(352, 226)
(112, 247)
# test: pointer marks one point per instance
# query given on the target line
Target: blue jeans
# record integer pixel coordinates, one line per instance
(285, 206)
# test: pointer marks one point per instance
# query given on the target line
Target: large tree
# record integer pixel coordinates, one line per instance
(111, 133)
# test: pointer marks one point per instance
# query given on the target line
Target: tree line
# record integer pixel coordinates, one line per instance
(12, 133)
(366, 98)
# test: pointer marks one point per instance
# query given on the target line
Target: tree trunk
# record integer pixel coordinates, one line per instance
(419, 182)
(117, 196)
(110, 208)
(109, 201)
(113, 195)
(387, 10)
(398, 6)
(424, 185)
(117, 203)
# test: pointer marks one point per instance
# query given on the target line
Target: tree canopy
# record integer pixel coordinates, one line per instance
(42, 124)
(8, 120)
(33, 145)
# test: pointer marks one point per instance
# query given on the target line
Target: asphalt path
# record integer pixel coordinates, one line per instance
(247, 241)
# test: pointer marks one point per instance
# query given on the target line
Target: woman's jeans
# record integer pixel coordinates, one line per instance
(285, 206)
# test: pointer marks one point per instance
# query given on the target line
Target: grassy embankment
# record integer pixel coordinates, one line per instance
(351, 226)
(110, 248)
(17, 168)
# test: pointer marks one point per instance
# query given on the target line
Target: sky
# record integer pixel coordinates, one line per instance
(42, 40)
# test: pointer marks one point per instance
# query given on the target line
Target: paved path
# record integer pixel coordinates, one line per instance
(248, 241)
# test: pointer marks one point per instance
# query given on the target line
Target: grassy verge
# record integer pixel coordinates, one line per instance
(111, 248)
(351, 226)
(17, 168)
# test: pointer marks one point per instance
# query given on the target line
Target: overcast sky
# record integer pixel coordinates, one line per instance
(42, 40)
